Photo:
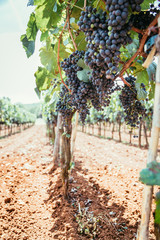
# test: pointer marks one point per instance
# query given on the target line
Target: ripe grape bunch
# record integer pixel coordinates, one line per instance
(105, 34)
(143, 19)
(133, 108)
(82, 92)
(65, 104)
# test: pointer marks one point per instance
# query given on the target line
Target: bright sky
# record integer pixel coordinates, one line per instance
(17, 79)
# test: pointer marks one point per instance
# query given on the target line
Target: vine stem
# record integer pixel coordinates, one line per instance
(137, 30)
(125, 82)
(75, 6)
(85, 4)
(60, 37)
(59, 68)
(69, 29)
(140, 49)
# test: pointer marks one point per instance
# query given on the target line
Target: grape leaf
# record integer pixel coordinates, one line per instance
(43, 78)
(76, 11)
(62, 51)
(31, 31)
(29, 46)
(151, 174)
(151, 90)
(83, 75)
(46, 18)
(82, 64)
(37, 92)
(142, 77)
(145, 4)
(100, 4)
(48, 58)
(80, 41)
(44, 36)
(141, 93)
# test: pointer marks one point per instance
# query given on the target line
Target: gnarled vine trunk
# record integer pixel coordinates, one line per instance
(57, 141)
(65, 157)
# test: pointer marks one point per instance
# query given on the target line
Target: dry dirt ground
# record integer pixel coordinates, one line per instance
(104, 194)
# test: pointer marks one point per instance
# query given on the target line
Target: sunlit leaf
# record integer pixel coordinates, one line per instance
(142, 77)
(31, 31)
(29, 46)
(46, 18)
(43, 78)
(48, 58)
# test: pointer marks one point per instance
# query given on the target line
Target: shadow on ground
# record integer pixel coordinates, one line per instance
(105, 220)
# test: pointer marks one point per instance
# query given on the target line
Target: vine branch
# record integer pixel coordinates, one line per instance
(69, 29)
(125, 82)
(140, 49)
(59, 68)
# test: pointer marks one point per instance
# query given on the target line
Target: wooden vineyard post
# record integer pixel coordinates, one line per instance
(57, 140)
(143, 233)
(74, 134)
(139, 135)
(119, 130)
(145, 134)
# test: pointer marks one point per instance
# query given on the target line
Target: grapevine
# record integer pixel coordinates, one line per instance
(89, 45)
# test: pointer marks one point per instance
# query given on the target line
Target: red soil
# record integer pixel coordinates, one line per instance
(104, 183)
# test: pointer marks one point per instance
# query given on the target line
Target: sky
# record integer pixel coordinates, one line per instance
(17, 79)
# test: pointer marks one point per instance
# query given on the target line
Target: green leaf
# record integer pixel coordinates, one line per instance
(132, 48)
(151, 90)
(145, 4)
(142, 77)
(29, 46)
(48, 58)
(151, 174)
(62, 51)
(81, 63)
(43, 78)
(76, 11)
(46, 18)
(141, 93)
(100, 4)
(47, 98)
(37, 92)
(84, 75)
(31, 31)
(80, 41)
(44, 36)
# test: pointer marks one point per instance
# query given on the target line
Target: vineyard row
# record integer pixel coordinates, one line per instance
(138, 137)
(8, 130)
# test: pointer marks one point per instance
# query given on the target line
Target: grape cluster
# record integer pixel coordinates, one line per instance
(133, 108)
(143, 19)
(65, 104)
(135, 5)
(82, 92)
(105, 35)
